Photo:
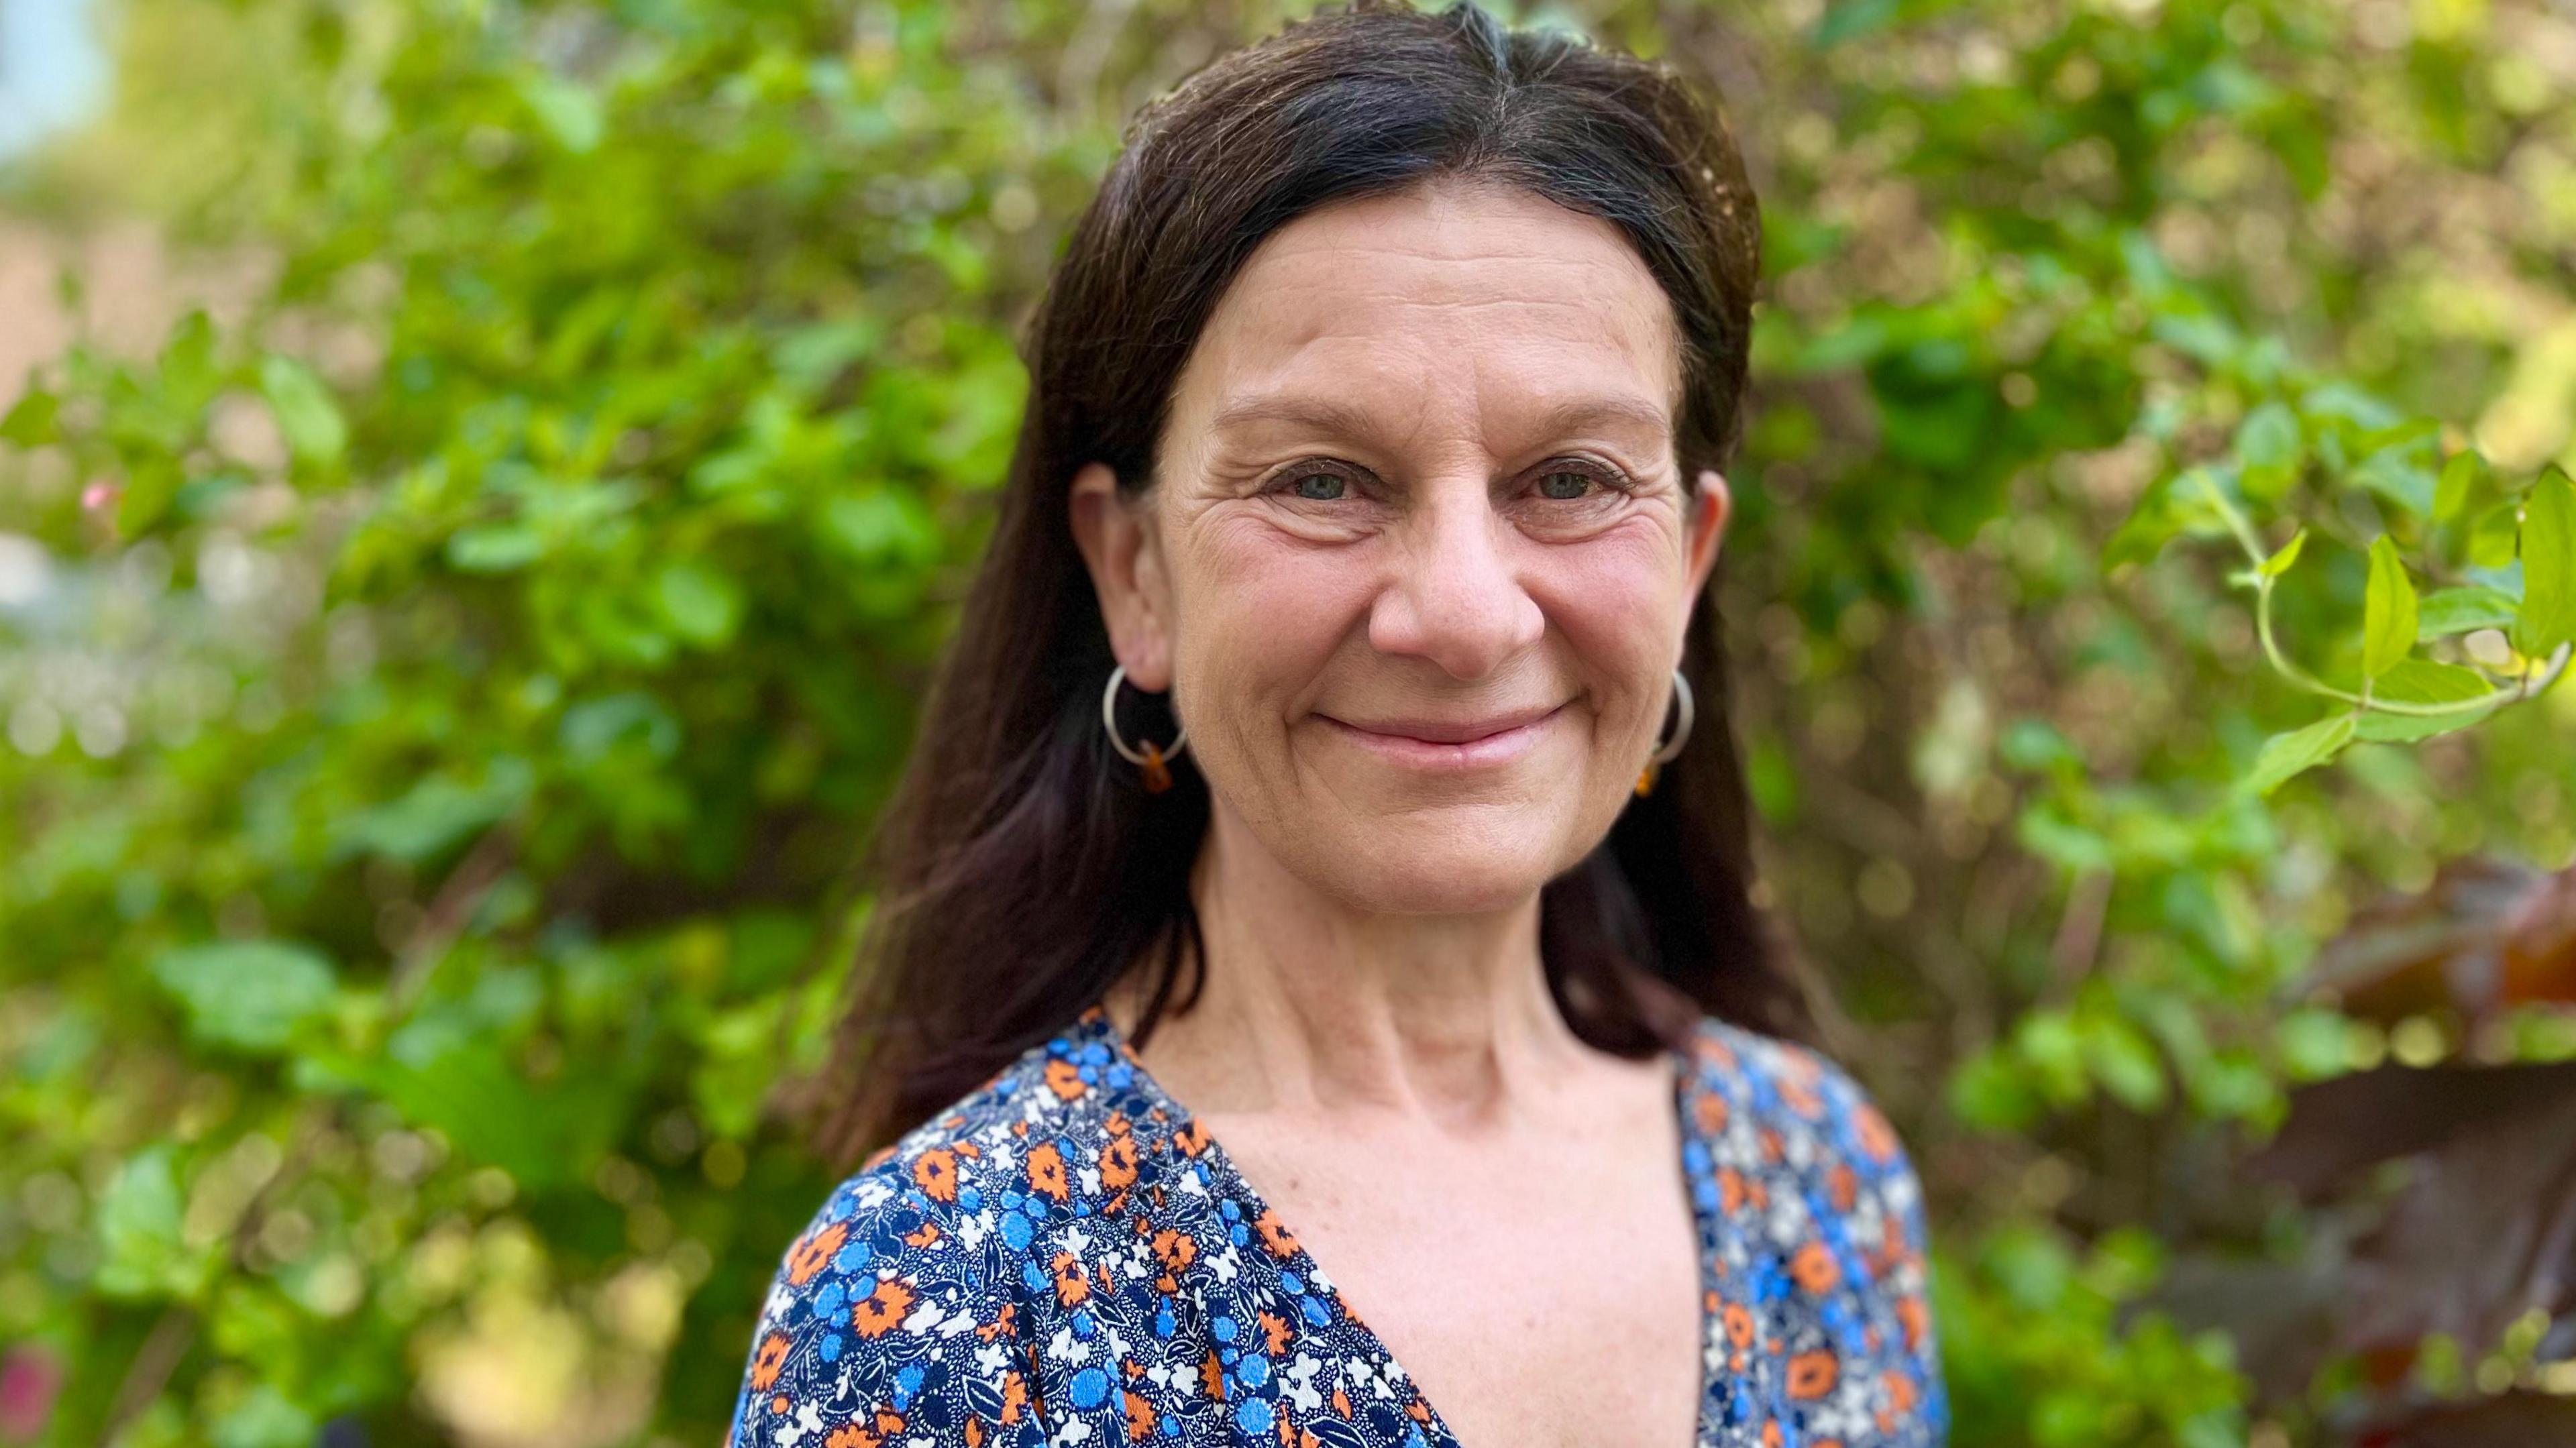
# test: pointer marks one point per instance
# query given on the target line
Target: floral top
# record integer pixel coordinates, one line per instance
(1066, 1256)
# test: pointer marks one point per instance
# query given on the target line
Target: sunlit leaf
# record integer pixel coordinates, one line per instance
(306, 416)
(2450, 611)
(2388, 611)
(2548, 616)
(249, 994)
(2285, 755)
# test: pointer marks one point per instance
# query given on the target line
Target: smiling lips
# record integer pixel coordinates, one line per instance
(1444, 744)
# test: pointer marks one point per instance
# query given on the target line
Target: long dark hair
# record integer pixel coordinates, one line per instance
(1021, 868)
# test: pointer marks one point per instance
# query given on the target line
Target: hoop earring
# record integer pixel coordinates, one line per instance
(1671, 749)
(1158, 774)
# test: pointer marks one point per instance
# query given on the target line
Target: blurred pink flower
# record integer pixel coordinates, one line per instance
(29, 1378)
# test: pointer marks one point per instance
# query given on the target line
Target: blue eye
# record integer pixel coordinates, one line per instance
(1548, 485)
(1333, 485)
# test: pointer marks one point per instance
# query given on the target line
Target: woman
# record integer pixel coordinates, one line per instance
(1313, 982)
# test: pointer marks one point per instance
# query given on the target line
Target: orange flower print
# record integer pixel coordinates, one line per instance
(935, 1172)
(1814, 1267)
(1071, 1286)
(1910, 1314)
(1730, 1190)
(1182, 1251)
(1811, 1374)
(1046, 1171)
(1843, 1186)
(1275, 1234)
(1175, 1249)
(1015, 1397)
(876, 1314)
(1712, 1111)
(773, 1356)
(1877, 1138)
(1739, 1324)
(815, 1251)
(1118, 1163)
(1900, 1391)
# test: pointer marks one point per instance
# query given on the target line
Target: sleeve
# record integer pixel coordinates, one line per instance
(883, 1327)
(1891, 1235)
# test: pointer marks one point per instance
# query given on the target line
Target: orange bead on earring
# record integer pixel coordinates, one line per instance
(1153, 762)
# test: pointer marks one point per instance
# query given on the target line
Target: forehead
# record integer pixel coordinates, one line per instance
(1449, 296)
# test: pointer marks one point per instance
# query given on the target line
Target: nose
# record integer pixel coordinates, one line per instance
(1455, 598)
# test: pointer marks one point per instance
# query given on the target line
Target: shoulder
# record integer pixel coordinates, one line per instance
(1825, 1229)
(889, 1312)
(1801, 1093)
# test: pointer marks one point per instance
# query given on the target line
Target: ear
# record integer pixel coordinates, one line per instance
(1708, 513)
(1123, 549)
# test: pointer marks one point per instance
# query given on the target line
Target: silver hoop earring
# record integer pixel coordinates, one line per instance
(1671, 749)
(1152, 760)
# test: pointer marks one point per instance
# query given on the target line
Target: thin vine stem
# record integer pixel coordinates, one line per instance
(2253, 546)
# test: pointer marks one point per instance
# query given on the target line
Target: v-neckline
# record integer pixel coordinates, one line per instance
(1231, 1181)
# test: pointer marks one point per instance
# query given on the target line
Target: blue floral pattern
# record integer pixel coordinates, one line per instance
(1066, 1256)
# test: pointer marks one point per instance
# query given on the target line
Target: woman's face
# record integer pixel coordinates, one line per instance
(1419, 560)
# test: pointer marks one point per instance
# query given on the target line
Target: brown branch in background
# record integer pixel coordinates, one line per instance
(464, 888)
(150, 1371)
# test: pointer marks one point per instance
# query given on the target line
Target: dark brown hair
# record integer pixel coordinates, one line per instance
(1021, 868)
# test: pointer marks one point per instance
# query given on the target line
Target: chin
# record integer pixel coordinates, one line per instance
(1429, 867)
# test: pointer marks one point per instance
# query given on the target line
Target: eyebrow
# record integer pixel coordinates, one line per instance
(1327, 415)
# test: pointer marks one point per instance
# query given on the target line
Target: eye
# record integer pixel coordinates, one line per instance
(1311, 483)
(1564, 484)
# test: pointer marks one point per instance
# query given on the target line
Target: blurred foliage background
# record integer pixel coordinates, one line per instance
(488, 479)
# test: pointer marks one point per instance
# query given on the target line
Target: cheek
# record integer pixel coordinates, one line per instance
(1261, 614)
(1618, 601)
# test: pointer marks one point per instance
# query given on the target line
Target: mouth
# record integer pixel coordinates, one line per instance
(1449, 744)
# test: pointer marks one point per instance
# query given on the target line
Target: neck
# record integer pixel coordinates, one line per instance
(1311, 1006)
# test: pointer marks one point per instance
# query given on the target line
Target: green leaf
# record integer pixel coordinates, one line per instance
(2124, 1061)
(2285, 755)
(2451, 611)
(2279, 563)
(495, 548)
(2388, 611)
(2421, 681)
(1851, 19)
(2460, 477)
(703, 604)
(31, 422)
(253, 995)
(2380, 727)
(2548, 616)
(306, 416)
(141, 1232)
(2267, 443)
(569, 112)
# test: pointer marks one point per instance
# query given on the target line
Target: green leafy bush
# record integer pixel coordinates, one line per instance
(446, 678)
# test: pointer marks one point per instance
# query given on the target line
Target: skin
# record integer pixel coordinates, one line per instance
(1375, 1047)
